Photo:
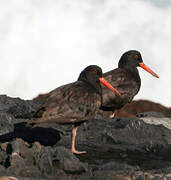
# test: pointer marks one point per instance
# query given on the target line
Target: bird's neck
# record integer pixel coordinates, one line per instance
(133, 69)
(134, 72)
(94, 83)
(96, 86)
(98, 89)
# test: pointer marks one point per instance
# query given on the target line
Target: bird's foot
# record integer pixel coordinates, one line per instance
(78, 152)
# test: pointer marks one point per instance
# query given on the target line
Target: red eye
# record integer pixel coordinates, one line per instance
(136, 57)
(95, 71)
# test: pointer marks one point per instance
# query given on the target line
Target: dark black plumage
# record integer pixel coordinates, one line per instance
(125, 79)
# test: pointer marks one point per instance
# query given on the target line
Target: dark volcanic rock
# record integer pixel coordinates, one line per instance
(127, 140)
(17, 107)
(118, 148)
(50, 159)
(6, 125)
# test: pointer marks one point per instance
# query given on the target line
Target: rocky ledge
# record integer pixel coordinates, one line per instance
(117, 148)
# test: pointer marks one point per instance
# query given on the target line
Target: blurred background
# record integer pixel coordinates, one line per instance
(47, 43)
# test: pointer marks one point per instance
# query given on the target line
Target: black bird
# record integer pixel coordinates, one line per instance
(75, 102)
(125, 79)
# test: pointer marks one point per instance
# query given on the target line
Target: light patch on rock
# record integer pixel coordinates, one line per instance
(158, 121)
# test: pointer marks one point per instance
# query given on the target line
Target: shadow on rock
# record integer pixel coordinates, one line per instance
(45, 136)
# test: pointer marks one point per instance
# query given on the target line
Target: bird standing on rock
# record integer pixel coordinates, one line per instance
(75, 102)
(125, 79)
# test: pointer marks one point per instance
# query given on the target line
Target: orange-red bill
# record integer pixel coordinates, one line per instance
(108, 85)
(148, 69)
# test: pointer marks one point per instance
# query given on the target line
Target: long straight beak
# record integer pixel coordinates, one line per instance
(108, 85)
(142, 65)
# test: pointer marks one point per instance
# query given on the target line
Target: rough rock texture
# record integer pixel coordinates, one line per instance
(119, 148)
(18, 107)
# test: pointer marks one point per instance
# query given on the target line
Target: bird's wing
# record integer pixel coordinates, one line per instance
(70, 103)
(124, 82)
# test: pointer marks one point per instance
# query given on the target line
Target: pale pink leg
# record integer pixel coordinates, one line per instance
(112, 115)
(74, 132)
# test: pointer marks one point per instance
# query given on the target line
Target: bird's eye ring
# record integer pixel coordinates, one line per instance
(95, 71)
(136, 57)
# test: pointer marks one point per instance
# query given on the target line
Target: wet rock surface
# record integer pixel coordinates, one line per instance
(117, 148)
